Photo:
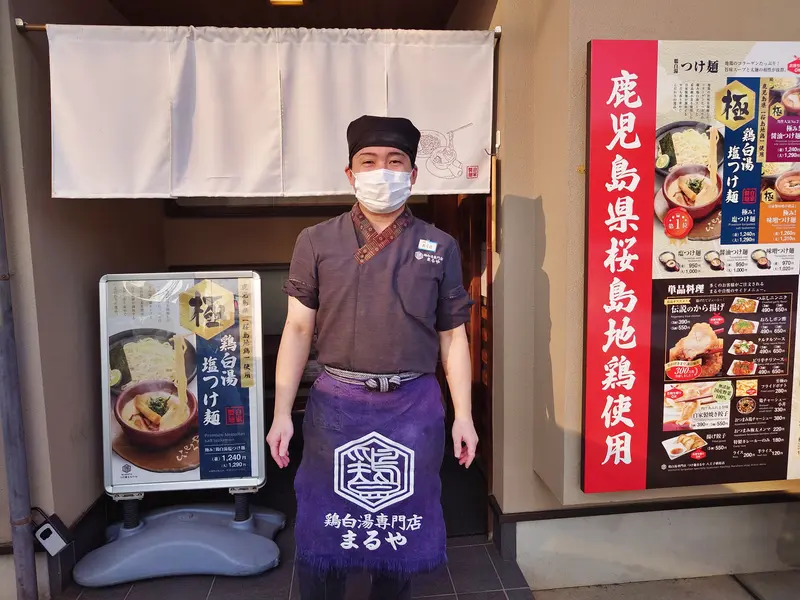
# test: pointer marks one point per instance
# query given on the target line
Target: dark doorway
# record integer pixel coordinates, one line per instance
(465, 492)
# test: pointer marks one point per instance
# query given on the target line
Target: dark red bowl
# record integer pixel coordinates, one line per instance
(155, 439)
(697, 212)
(781, 179)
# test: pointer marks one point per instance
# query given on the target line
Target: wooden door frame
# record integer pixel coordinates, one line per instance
(468, 219)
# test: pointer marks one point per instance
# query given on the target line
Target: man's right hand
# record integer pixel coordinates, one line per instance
(280, 434)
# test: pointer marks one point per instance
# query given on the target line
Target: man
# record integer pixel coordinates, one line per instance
(384, 293)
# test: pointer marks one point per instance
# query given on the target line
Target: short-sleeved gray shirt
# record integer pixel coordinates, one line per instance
(380, 299)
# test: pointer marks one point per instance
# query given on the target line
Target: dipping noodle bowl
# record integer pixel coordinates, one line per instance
(152, 415)
(788, 186)
(791, 101)
(761, 259)
(668, 260)
(690, 187)
(713, 259)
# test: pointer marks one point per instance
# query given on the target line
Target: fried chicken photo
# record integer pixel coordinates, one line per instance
(700, 344)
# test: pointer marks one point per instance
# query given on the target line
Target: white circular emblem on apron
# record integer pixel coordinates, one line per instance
(373, 472)
(418, 255)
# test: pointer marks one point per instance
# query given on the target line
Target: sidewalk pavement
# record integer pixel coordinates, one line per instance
(762, 586)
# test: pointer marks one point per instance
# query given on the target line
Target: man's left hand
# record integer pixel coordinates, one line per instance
(465, 441)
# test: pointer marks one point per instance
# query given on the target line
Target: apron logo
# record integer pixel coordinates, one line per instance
(373, 472)
(427, 245)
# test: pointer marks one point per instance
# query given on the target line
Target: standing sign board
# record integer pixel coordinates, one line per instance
(182, 381)
(692, 264)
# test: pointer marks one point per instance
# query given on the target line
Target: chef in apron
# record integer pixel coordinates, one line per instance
(383, 291)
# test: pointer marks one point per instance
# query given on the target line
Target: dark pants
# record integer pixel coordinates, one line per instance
(318, 587)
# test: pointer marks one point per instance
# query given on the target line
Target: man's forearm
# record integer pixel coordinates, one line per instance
(458, 370)
(292, 359)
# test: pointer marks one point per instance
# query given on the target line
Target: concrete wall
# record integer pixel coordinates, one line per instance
(12, 188)
(60, 248)
(539, 289)
(647, 546)
(521, 341)
(533, 147)
(732, 20)
(8, 591)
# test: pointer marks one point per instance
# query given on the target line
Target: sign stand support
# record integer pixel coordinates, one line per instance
(198, 539)
(216, 319)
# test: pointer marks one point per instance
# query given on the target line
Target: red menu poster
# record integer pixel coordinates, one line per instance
(692, 270)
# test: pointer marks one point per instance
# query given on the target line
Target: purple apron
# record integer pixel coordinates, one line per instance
(368, 487)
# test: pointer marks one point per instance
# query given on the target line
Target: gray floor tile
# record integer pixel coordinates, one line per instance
(710, 588)
(71, 593)
(483, 596)
(175, 588)
(285, 541)
(272, 585)
(783, 585)
(436, 585)
(466, 540)
(295, 592)
(358, 586)
(118, 592)
(520, 595)
(432, 584)
(508, 570)
(472, 570)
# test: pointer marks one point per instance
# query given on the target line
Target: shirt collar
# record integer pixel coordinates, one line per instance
(366, 229)
(374, 242)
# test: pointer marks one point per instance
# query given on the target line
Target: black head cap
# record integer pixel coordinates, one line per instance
(390, 132)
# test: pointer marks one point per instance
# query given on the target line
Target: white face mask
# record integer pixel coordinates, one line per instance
(382, 191)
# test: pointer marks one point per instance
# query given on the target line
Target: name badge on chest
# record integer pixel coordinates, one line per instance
(427, 246)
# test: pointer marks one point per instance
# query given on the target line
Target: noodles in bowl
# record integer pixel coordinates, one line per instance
(774, 169)
(152, 414)
(138, 355)
(149, 359)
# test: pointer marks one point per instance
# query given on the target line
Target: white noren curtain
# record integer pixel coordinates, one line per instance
(211, 112)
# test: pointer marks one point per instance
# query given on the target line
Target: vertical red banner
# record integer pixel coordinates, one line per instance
(621, 171)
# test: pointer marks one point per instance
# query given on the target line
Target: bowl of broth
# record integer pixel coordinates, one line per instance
(153, 416)
(791, 101)
(690, 187)
(788, 186)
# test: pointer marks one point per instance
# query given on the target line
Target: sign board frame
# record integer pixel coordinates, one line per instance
(256, 417)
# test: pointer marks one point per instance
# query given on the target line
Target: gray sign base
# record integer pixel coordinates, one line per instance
(189, 540)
